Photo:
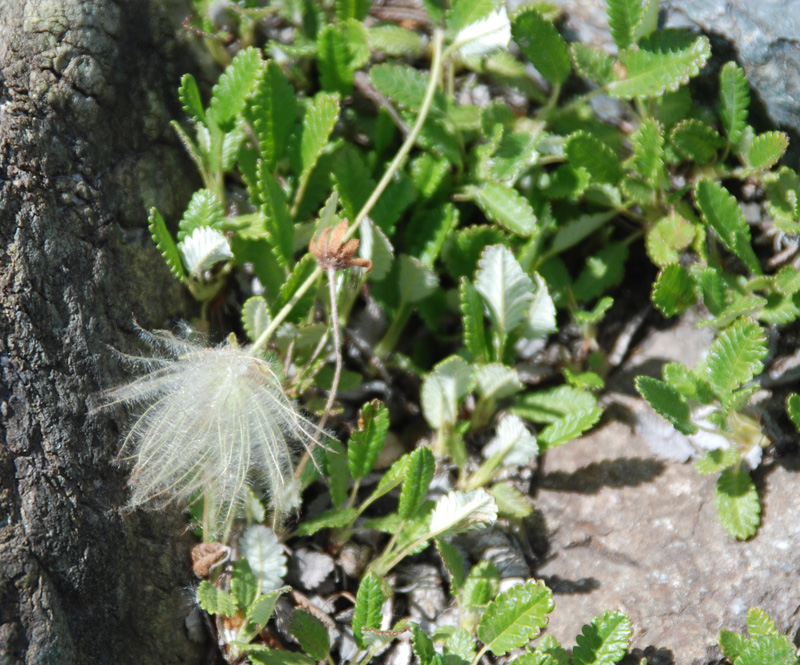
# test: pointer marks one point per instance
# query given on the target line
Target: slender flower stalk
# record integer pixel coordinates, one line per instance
(433, 82)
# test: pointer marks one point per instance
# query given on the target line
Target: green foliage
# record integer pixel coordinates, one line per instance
(489, 228)
(623, 17)
(541, 43)
(367, 613)
(663, 62)
(734, 101)
(166, 245)
(736, 355)
(311, 633)
(737, 503)
(605, 640)
(673, 290)
(367, 441)
(764, 646)
(515, 617)
(721, 212)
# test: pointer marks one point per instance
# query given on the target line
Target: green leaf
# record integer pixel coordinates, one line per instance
(318, 123)
(395, 40)
(716, 460)
(734, 101)
(229, 95)
(330, 519)
(760, 624)
(664, 61)
(648, 151)
(302, 271)
(732, 644)
(419, 475)
(189, 95)
(578, 229)
(541, 320)
(422, 645)
(266, 656)
(461, 644)
(721, 211)
(311, 633)
(506, 290)
(603, 271)
(244, 585)
(215, 601)
(735, 356)
(583, 150)
(405, 85)
(737, 503)
(428, 231)
(515, 617)
(392, 478)
(416, 280)
(542, 45)
(467, 12)
(457, 512)
(793, 409)
(593, 316)
(605, 640)
(204, 209)
(472, 321)
(367, 612)
(496, 381)
(338, 472)
(166, 245)
(670, 235)
(769, 650)
(548, 651)
(351, 9)
(568, 427)
(481, 585)
(334, 61)
(782, 197)
(510, 501)
(453, 562)
(280, 227)
(667, 402)
(766, 149)
(592, 63)
(695, 140)
(274, 107)
(673, 291)
(623, 17)
(367, 441)
(549, 406)
(506, 206)
(463, 249)
(787, 281)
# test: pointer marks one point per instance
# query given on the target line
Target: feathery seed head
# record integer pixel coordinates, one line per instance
(212, 421)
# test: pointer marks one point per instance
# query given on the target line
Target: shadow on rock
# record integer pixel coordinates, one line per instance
(560, 585)
(654, 656)
(590, 479)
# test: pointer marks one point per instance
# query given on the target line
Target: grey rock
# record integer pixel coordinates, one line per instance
(762, 36)
(632, 533)
(309, 569)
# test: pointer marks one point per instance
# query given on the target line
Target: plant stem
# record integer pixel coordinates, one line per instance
(397, 162)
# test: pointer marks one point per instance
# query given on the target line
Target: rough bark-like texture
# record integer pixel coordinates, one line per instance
(87, 89)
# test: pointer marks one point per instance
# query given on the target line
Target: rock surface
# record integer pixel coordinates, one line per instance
(762, 36)
(629, 531)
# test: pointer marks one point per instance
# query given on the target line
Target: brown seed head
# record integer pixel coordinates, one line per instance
(206, 555)
(331, 253)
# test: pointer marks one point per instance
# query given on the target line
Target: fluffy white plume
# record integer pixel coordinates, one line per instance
(212, 421)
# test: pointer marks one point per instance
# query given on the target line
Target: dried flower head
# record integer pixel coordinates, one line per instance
(331, 253)
(213, 421)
